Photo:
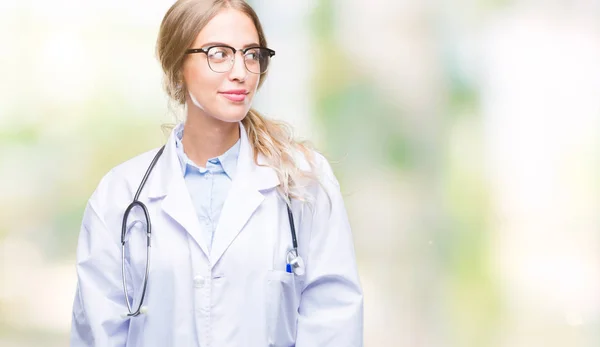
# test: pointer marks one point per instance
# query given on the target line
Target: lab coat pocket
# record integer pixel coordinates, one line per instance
(282, 300)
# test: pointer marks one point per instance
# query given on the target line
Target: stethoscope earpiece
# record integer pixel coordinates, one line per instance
(143, 310)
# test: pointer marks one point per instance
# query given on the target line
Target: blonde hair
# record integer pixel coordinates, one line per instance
(273, 139)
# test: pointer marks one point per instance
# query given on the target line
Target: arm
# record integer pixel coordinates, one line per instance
(99, 299)
(331, 306)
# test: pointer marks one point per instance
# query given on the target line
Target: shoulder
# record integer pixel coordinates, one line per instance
(121, 179)
(319, 181)
(135, 166)
(311, 160)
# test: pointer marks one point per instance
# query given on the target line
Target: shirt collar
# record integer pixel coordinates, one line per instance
(227, 160)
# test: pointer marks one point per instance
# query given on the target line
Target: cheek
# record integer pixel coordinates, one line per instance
(201, 83)
(253, 82)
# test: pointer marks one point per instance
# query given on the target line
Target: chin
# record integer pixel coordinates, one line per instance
(231, 117)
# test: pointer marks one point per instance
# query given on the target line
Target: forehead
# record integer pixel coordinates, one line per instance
(229, 26)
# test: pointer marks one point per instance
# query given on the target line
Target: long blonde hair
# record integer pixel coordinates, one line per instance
(273, 139)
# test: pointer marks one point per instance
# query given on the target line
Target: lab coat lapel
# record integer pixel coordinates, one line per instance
(244, 197)
(241, 203)
(177, 204)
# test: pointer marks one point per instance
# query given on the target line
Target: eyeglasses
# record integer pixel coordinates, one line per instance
(221, 58)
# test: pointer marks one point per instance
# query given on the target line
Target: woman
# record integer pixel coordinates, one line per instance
(223, 268)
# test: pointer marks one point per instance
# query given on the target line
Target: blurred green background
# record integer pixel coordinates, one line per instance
(465, 135)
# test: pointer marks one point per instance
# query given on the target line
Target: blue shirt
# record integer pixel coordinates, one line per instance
(208, 186)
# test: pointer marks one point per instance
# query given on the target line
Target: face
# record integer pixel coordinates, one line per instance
(226, 96)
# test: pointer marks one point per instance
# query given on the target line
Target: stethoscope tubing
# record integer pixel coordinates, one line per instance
(136, 202)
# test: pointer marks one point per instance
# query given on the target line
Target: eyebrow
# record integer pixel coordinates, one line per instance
(208, 44)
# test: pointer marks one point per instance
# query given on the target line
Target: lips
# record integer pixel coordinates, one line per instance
(237, 95)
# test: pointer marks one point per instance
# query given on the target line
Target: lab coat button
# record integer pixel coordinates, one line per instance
(198, 281)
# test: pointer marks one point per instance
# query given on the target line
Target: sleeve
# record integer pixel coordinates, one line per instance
(99, 300)
(331, 304)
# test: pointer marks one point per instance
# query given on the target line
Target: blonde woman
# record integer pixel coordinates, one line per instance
(232, 234)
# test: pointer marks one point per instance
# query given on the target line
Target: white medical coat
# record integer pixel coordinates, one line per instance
(239, 293)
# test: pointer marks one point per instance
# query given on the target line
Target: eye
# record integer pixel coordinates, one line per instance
(218, 53)
(253, 54)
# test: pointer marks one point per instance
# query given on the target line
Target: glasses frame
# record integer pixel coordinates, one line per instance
(243, 50)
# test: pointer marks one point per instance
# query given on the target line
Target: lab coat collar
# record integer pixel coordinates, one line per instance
(244, 197)
(260, 176)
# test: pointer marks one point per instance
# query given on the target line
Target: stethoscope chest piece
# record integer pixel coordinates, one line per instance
(295, 263)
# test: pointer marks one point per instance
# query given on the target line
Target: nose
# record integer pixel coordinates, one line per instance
(238, 70)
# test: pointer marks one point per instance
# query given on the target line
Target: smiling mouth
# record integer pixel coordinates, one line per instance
(235, 96)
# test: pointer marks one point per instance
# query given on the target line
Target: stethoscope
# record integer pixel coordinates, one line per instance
(294, 263)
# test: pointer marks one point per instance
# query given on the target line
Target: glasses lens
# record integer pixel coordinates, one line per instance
(257, 60)
(220, 59)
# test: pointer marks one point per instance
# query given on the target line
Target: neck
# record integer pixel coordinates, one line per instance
(206, 137)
